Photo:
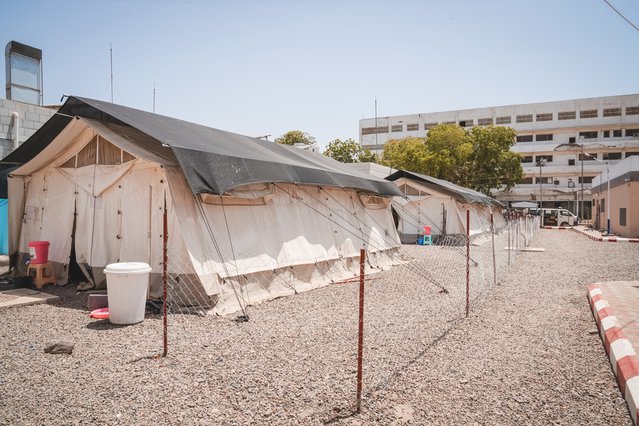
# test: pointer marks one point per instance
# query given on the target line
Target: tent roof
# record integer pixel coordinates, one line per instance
(460, 193)
(213, 161)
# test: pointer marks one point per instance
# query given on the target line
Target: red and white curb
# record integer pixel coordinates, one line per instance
(623, 358)
(556, 227)
(607, 239)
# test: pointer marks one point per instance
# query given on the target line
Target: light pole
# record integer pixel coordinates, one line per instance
(571, 186)
(541, 163)
(608, 197)
(582, 187)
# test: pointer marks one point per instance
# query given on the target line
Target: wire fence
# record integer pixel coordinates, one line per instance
(407, 308)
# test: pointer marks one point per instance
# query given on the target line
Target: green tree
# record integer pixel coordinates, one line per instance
(491, 162)
(406, 154)
(479, 158)
(349, 151)
(295, 136)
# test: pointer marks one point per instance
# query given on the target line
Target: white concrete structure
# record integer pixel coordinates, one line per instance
(606, 128)
(18, 122)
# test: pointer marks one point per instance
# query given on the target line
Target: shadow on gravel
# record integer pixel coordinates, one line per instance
(105, 324)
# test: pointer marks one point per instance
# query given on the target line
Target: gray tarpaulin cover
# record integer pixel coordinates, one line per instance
(213, 161)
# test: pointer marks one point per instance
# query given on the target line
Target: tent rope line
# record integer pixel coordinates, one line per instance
(415, 267)
(419, 271)
(219, 252)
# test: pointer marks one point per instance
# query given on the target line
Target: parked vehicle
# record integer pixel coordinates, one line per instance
(557, 217)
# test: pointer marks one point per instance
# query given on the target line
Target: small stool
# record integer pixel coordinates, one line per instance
(43, 274)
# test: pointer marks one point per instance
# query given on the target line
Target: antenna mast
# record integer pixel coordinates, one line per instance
(111, 60)
(154, 97)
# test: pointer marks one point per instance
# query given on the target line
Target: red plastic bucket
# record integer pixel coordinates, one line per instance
(39, 252)
(426, 230)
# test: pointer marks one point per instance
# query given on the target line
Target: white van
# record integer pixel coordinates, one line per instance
(557, 217)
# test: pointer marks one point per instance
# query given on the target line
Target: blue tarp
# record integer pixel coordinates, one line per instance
(4, 226)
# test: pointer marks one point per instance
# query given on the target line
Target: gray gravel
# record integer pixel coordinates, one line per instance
(525, 354)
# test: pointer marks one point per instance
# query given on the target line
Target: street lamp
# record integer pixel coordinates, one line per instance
(541, 163)
(608, 198)
(571, 186)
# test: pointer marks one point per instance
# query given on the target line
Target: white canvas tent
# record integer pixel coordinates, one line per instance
(245, 216)
(440, 204)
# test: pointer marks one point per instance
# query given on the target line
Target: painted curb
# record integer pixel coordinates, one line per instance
(556, 227)
(607, 239)
(623, 358)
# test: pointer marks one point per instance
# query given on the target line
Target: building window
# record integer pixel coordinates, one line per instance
(606, 133)
(567, 115)
(540, 138)
(612, 112)
(630, 154)
(485, 122)
(571, 162)
(632, 132)
(503, 120)
(527, 159)
(543, 180)
(571, 139)
(526, 181)
(544, 117)
(429, 125)
(526, 118)
(612, 155)
(622, 216)
(602, 205)
(466, 123)
(540, 157)
(616, 133)
(587, 157)
(587, 135)
(412, 127)
(589, 113)
(448, 122)
(585, 179)
(633, 110)
(374, 130)
(525, 138)
(397, 128)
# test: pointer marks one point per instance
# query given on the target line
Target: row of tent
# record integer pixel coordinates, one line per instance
(244, 216)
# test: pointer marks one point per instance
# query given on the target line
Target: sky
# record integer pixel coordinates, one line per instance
(267, 67)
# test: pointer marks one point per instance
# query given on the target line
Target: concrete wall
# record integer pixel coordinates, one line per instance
(32, 117)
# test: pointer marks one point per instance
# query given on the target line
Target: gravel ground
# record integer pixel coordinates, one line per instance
(525, 354)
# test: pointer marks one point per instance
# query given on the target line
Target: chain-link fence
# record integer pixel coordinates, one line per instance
(408, 308)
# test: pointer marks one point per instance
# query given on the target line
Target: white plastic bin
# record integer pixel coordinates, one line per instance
(127, 283)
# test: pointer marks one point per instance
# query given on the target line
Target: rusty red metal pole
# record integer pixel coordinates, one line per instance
(467, 261)
(165, 259)
(360, 337)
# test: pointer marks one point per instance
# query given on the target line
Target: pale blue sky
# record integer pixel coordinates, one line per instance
(265, 67)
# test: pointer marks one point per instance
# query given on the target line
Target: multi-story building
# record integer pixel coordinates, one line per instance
(563, 144)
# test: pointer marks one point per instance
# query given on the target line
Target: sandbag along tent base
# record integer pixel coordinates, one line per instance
(246, 217)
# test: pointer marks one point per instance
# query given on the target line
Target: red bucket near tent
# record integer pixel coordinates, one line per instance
(39, 252)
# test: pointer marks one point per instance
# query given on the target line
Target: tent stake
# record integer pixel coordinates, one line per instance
(360, 337)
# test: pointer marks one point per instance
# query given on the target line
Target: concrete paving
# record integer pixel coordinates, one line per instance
(595, 235)
(23, 297)
(615, 306)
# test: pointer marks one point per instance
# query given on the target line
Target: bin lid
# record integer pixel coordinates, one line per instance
(38, 243)
(127, 268)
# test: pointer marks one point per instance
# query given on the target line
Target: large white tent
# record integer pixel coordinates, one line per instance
(245, 216)
(441, 205)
